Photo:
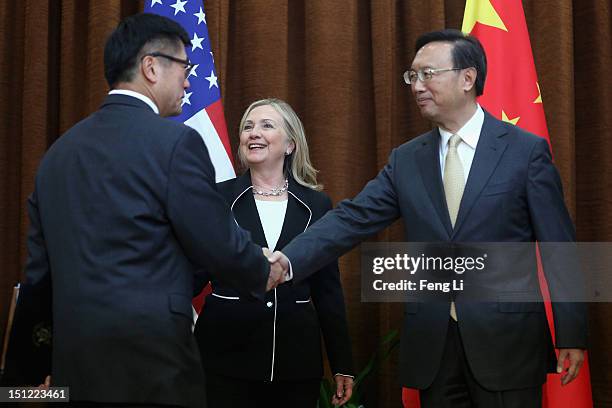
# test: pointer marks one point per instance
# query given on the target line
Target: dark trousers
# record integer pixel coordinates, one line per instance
(456, 387)
(226, 392)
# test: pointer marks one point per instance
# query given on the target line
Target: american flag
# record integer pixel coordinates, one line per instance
(202, 108)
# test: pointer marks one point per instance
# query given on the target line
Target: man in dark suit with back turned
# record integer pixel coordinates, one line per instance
(124, 211)
(472, 178)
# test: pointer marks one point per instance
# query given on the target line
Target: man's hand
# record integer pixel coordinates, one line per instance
(46, 384)
(277, 271)
(575, 358)
(344, 389)
(280, 258)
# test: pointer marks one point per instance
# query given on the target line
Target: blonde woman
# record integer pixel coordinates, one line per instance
(268, 354)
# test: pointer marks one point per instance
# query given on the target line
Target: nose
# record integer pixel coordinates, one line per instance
(254, 132)
(418, 86)
(186, 84)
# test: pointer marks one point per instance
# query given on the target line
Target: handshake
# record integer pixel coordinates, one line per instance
(279, 268)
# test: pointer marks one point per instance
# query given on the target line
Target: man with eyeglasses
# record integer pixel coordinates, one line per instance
(472, 178)
(124, 212)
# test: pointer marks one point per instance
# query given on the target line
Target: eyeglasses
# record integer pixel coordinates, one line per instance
(410, 76)
(188, 64)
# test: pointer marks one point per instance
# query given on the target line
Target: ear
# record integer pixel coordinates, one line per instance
(149, 69)
(469, 79)
(290, 148)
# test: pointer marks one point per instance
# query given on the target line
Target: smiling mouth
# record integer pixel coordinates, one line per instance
(255, 146)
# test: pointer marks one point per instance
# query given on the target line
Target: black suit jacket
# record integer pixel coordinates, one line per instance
(124, 209)
(279, 339)
(513, 194)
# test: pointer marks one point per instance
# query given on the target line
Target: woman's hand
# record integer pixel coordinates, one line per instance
(344, 389)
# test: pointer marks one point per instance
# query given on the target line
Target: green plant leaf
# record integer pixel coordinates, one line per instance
(325, 394)
(391, 341)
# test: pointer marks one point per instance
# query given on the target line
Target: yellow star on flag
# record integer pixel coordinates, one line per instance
(505, 118)
(539, 98)
(481, 11)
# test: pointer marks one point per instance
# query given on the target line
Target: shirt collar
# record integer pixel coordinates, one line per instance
(469, 133)
(136, 95)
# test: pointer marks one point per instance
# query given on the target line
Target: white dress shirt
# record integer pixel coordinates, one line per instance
(469, 133)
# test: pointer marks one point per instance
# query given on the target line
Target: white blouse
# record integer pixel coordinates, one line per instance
(272, 216)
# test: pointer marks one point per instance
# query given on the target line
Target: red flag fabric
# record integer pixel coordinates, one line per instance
(512, 93)
(410, 398)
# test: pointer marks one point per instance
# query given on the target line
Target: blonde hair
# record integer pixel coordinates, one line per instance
(301, 169)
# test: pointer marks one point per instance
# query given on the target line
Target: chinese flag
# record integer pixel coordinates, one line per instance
(512, 94)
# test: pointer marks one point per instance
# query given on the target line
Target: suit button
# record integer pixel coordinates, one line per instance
(269, 304)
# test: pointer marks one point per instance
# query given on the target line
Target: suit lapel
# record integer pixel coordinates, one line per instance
(489, 150)
(245, 211)
(297, 219)
(428, 161)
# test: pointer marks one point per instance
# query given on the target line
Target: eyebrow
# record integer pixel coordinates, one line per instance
(261, 120)
(425, 67)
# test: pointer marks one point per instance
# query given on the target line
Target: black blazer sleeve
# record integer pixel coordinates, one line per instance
(203, 224)
(328, 299)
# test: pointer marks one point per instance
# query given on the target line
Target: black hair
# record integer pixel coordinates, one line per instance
(467, 52)
(125, 44)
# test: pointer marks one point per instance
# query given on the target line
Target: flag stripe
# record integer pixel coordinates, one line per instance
(216, 149)
(217, 117)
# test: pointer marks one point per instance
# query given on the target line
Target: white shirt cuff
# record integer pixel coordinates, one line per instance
(345, 375)
(289, 274)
